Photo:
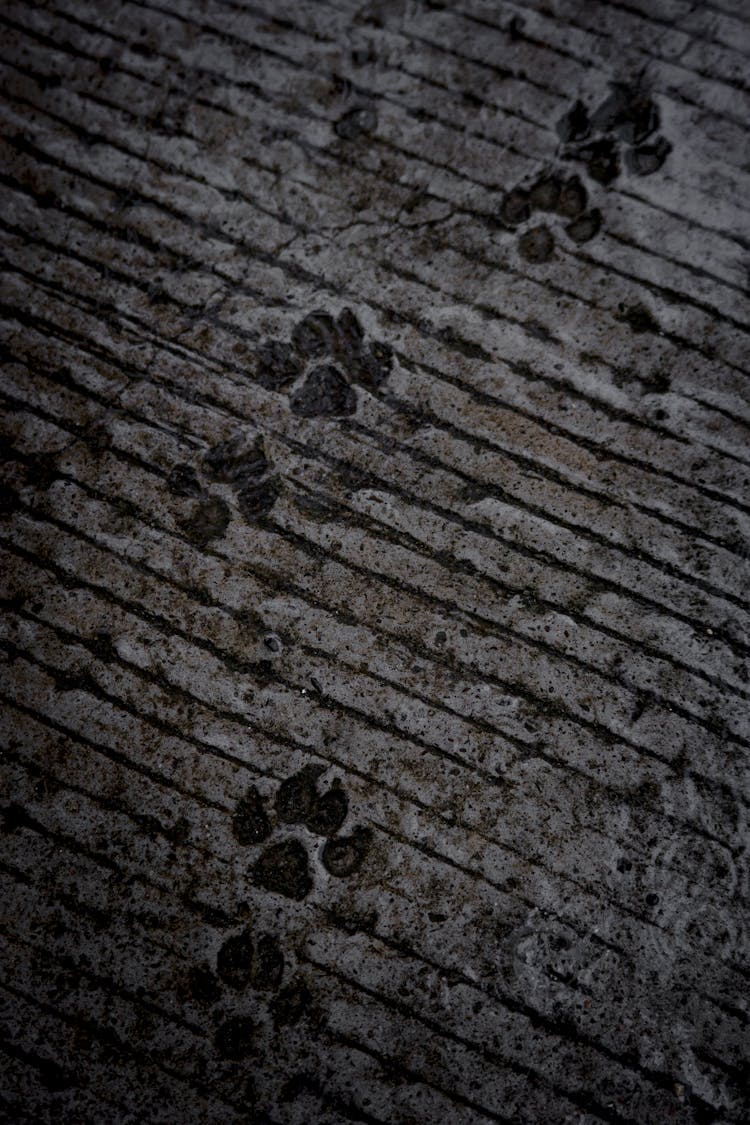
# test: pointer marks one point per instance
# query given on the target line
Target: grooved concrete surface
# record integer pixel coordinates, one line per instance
(374, 561)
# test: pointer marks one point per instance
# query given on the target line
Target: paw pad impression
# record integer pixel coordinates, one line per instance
(627, 117)
(283, 867)
(556, 195)
(247, 962)
(239, 462)
(322, 363)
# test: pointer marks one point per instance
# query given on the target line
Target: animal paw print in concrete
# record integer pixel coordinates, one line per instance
(244, 465)
(240, 462)
(625, 124)
(320, 367)
(564, 198)
(246, 963)
(283, 867)
(249, 968)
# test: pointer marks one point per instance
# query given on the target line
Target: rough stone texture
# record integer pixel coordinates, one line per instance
(374, 562)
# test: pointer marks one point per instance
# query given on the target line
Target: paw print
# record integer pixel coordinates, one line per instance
(239, 462)
(554, 194)
(627, 117)
(321, 365)
(283, 867)
(243, 464)
(250, 964)
(248, 967)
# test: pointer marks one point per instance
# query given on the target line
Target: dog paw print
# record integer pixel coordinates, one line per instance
(243, 464)
(283, 867)
(240, 462)
(322, 364)
(248, 967)
(247, 963)
(563, 197)
(626, 120)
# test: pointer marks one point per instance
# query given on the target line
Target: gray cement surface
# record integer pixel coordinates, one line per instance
(375, 561)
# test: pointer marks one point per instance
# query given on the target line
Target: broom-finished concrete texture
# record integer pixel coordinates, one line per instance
(374, 561)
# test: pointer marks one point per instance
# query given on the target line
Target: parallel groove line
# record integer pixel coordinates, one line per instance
(109, 1038)
(598, 404)
(550, 759)
(515, 631)
(452, 1095)
(401, 946)
(120, 990)
(207, 101)
(383, 95)
(587, 1103)
(415, 37)
(467, 1043)
(540, 125)
(590, 63)
(710, 5)
(74, 735)
(475, 875)
(567, 53)
(555, 652)
(620, 456)
(18, 1112)
(210, 647)
(653, 18)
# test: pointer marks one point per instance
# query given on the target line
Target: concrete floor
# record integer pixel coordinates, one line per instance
(374, 562)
